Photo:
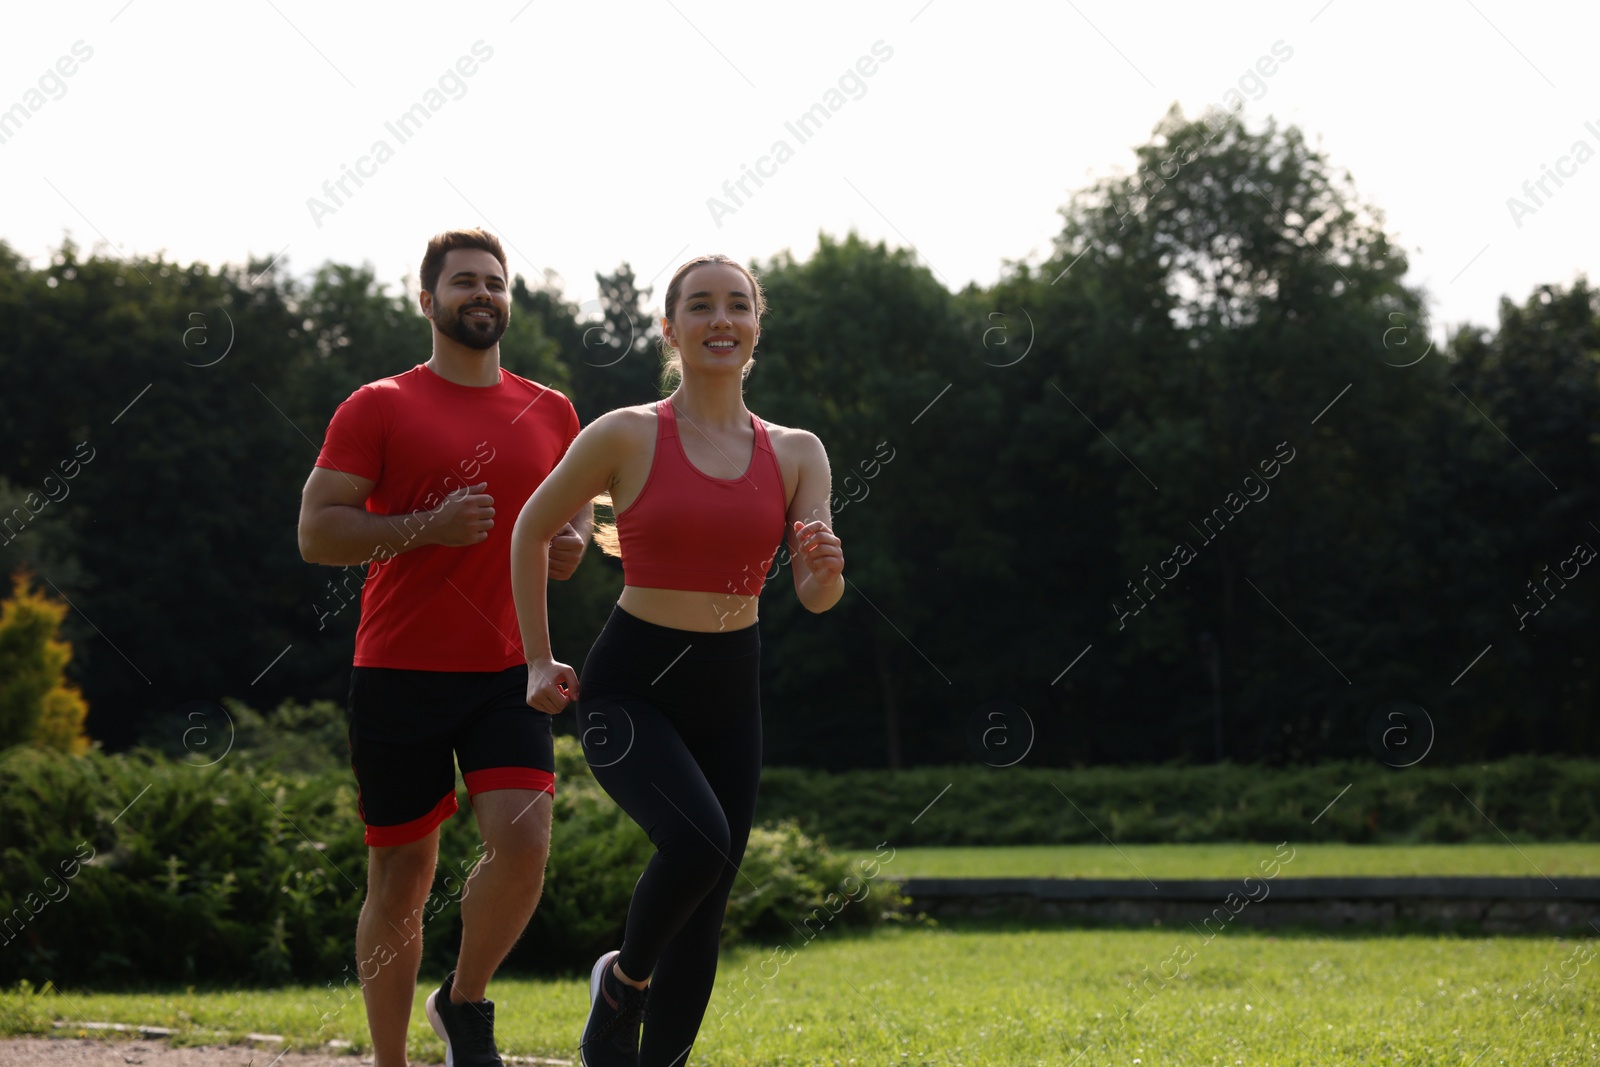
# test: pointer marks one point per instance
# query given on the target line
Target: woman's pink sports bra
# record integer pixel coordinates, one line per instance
(688, 530)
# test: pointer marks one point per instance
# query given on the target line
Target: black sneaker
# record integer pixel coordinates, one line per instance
(611, 1036)
(466, 1029)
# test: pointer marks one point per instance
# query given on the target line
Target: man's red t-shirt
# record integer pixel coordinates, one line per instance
(420, 437)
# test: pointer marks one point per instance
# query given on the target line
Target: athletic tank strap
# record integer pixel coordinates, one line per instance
(763, 442)
(666, 422)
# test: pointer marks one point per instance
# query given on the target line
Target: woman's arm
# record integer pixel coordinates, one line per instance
(817, 552)
(566, 551)
(583, 473)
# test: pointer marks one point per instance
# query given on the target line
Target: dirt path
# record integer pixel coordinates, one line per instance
(92, 1052)
(148, 1052)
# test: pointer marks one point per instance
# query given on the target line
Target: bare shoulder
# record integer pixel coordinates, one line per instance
(801, 458)
(626, 428)
(790, 443)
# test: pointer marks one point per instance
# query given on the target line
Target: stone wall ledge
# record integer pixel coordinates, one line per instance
(1280, 888)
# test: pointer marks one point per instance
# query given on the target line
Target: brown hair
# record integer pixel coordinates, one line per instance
(672, 363)
(444, 243)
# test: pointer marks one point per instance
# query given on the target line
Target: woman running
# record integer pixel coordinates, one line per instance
(669, 699)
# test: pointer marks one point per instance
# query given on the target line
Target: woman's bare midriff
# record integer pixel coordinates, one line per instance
(683, 609)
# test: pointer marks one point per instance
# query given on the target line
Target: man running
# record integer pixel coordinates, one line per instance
(408, 482)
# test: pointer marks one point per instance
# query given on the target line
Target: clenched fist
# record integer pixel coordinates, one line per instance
(465, 517)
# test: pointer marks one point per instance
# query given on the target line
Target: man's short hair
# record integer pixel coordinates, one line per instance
(444, 243)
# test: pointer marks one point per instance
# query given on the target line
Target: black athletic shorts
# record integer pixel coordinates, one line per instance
(405, 726)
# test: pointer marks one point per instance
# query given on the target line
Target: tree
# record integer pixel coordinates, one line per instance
(1194, 319)
(613, 363)
(1527, 404)
(995, 458)
(37, 704)
(858, 342)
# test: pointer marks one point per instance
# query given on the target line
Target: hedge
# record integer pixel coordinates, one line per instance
(130, 869)
(1527, 798)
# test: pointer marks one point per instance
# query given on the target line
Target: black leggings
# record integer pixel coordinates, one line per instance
(671, 726)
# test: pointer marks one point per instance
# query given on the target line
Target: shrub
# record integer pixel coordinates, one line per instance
(180, 874)
(1530, 798)
(303, 739)
(37, 705)
(235, 874)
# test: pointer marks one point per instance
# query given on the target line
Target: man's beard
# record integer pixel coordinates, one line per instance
(474, 333)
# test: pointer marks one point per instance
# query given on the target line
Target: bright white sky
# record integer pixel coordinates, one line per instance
(595, 133)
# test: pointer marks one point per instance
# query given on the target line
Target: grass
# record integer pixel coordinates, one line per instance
(985, 996)
(1236, 860)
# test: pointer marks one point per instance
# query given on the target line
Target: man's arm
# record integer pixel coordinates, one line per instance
(337, 529)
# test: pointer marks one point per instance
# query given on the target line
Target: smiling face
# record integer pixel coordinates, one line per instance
(470, 303)
(714, 327)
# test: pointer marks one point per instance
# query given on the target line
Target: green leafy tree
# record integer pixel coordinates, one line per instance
(614, 358)
(858, 341)
(1194, 319)
(1527, 403)
(1007, 461)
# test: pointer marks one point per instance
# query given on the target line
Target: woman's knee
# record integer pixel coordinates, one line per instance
(701, 846)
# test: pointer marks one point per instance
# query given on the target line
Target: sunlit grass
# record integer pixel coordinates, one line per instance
(1237, 860)
(997, 996)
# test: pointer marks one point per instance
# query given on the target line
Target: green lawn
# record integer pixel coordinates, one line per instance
(1234, 861)
(1011, 997)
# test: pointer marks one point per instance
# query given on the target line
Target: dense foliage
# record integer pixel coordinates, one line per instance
(37, 704)
(1205, 445)
(238, 871)
(1528, 798)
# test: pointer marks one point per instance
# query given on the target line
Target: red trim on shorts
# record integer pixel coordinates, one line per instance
(493, 778)
(416, 829)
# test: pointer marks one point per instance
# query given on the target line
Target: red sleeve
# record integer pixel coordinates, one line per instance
(354, 442)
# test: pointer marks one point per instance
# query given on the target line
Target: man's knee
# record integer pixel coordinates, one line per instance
(400, 875)
(516, 828)
(523, 856)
